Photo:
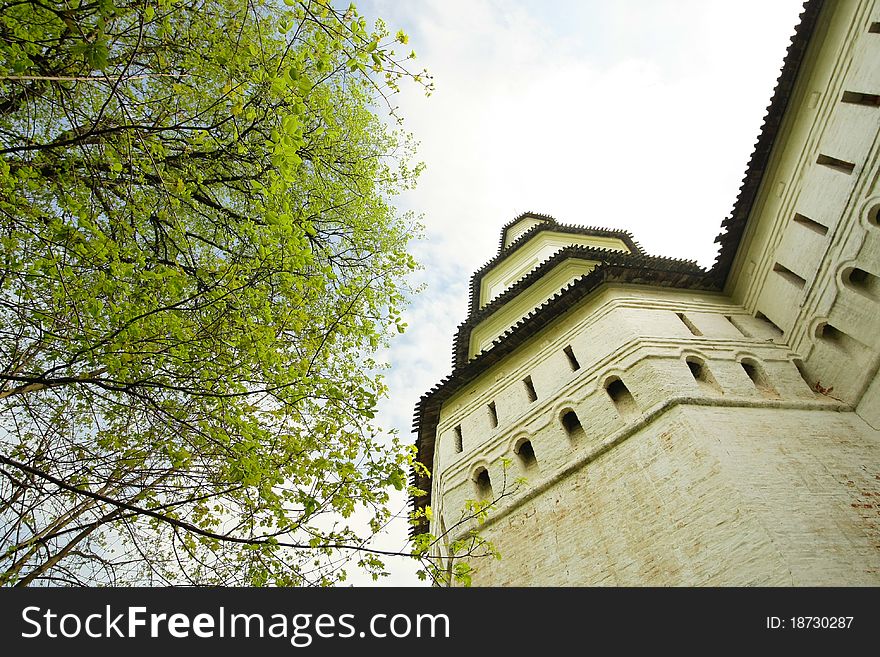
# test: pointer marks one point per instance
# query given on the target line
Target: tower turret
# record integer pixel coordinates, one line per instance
(681, 426)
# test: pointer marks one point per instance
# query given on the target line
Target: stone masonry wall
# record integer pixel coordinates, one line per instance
(706, 496)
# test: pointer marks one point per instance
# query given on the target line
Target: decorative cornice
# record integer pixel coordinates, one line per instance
(549, 223)
(461, 342)
(525, 215)
(651, 415)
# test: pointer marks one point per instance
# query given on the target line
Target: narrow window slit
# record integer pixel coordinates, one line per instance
(456, 434)
(530, 389)
(833, 163)
(857, 98)
(789, 275)
(493, 414)
(572, 359)
(775, 329)
(808, 223)
(738, 325)
(691, 326)
(874, 28)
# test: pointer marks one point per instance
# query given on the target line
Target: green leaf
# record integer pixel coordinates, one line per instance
(96, 54)
(204, 256)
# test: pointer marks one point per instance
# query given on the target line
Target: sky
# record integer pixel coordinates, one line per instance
(632, 114)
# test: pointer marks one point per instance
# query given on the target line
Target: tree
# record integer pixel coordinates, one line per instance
(200, 259)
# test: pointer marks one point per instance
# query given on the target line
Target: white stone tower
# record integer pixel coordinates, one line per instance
(679, 426)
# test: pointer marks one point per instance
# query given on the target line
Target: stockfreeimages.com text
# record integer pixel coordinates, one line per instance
(299, 629)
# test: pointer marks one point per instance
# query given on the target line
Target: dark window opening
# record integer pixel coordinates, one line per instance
(839, 339)
(483, 484)
(572, 424)
(874, 28)
(530, 389)
(829, 333)
(493, 415)
(702, 375)
(857, 98)
(756, 373)
(456, 434)
(572, 359)
(526, 454)
(775, 329)
(833, 163)
(622, 397)
(738, 325)
(690, 325)
(808, 223)
(862, 282)
(789, 275)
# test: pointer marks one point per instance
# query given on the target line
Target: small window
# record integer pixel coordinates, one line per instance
(690, 325)
(622, 397)
(834, 163)
(456, 436)
(802, 370)
(738, 325)
(858, 98)
(756, 373)
(809, 224)
(790, 276)
(572, 424)
(874, 215)
(778, 332)
(530, 389)
(865, 283)
(493, 415)
(526, 454)
(828, 332)
(838, 339)
(702, 375)
(572, 359)
(483, 484)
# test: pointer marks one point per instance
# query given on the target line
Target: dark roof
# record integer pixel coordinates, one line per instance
(549, 224)
(587, 230)
(461, 342)
(644, 270)
(525, 215)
